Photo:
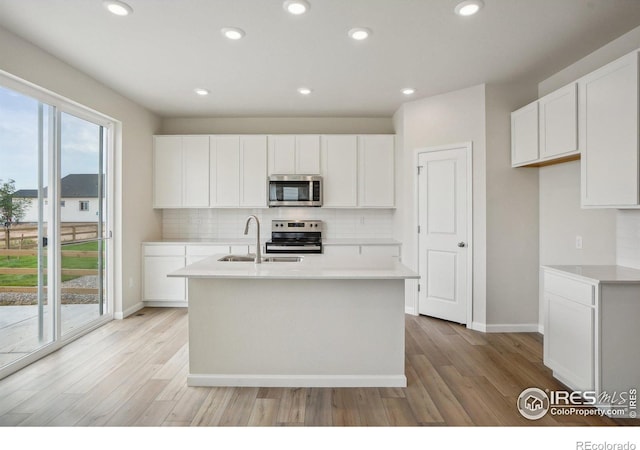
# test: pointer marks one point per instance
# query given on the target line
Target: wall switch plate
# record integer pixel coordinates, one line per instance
(578, 242)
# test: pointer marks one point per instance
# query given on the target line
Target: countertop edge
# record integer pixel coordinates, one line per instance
(594, 277)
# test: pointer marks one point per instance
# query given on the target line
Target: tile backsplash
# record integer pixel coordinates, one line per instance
(229, 223)
(628, 238)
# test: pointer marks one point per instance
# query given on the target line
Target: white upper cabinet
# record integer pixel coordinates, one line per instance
(195, 161)
(608, 118)
(238, 171)
(253, 172)
(224, 171)
(289, 154)
(231, 171)
(524, 135)
(340, 171)
(559, 123)
(282, 155)
(546, 131)
(376, 171)
(181, 178)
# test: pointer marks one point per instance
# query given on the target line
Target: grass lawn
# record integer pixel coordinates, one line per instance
(31, 262)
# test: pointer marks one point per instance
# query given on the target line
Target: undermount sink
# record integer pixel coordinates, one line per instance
(237, 258)
(251, 258)
(282, 259)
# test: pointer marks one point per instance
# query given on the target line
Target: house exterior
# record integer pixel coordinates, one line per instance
(79, 199)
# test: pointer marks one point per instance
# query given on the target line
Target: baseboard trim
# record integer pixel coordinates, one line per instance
(126, 313)
(477, 326)
(410, 310)
(242, 380)
(168, 304)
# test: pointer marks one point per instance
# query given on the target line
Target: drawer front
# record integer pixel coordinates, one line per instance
(164, 250)
(577, 291)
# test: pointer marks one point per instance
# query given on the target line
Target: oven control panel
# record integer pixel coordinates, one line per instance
(296, 225)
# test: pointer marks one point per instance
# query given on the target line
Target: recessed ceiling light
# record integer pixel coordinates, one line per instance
(233, 33)
(296, 7)
(117, 7)
(408, 91)
(359, 34)
(469, 8)
(201, 91)
(304, 90)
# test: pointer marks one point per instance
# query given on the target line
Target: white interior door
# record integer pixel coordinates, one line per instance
(443, 233)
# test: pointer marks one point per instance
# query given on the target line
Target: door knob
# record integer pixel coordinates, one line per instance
(461, 244)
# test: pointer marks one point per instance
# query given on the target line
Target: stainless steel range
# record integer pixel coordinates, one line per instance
(295, 236)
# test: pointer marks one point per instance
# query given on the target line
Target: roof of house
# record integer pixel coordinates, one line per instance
(75, 185)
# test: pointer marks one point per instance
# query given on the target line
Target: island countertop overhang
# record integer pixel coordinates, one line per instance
(312, 267)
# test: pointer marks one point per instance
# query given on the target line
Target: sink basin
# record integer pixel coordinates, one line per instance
(268, 259)
(282, 259)
(237, 258)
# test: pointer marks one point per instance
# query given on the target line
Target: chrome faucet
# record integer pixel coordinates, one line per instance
(258, 259)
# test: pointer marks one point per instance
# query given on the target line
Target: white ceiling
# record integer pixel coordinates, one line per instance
(166, 48)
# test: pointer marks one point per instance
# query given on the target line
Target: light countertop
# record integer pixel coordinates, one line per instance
(312, 266)
(600, 274)
(252, 241)
(203, 241)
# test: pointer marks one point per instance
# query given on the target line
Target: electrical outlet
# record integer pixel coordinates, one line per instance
(578, 242)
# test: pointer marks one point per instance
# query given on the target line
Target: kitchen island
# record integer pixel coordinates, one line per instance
(319, 322)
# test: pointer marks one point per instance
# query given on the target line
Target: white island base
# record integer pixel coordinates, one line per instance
(296, 332)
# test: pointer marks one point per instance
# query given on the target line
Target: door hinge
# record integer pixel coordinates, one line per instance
(418, 229)
(418, 287)
(419, 168)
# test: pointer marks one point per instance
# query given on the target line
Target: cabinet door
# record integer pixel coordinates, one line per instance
(524, 135)
(307, 154)
(339, 171)
(559, 122)
(157, 286)
(195, 160)
(569, 341)
(282, 155)
(608, 116)
(224, 159)
(167, 172)
(253, 171)
(376, 174)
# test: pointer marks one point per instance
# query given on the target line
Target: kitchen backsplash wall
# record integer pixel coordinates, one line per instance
(628, 238)
(229, 223)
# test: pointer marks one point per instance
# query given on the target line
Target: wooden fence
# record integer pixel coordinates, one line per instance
(34, 271)
(26, 236)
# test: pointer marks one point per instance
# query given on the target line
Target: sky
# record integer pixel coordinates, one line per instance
(19, 141)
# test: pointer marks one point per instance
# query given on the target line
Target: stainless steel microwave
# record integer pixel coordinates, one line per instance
(295, 190)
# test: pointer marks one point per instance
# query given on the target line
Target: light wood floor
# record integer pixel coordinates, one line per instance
(133, 373)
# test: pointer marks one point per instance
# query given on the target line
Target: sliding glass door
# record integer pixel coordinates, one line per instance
(54, 197)
(26, 314)
(82, 221)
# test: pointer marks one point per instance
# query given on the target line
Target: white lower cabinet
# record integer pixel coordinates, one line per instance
(161, 259)
(158, 289)
(591, 334)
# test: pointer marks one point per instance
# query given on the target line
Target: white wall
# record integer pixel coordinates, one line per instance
(512, 218)
(449, 118)
(136, 220)
(278, 125)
